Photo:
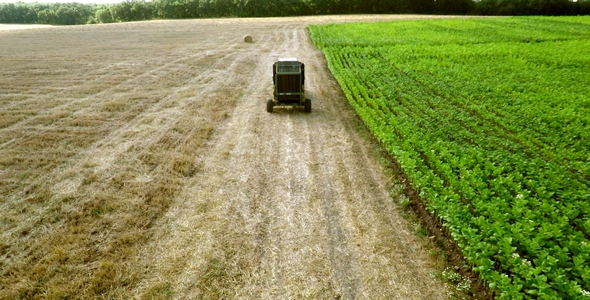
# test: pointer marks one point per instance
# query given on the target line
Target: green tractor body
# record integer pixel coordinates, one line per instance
(288, 75)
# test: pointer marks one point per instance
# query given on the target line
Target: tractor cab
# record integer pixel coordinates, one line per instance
(288, 79)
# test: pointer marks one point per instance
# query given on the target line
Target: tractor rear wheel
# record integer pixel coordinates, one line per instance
(269, 106)
(307, 105)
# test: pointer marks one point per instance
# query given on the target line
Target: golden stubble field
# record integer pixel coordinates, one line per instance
(137, 161)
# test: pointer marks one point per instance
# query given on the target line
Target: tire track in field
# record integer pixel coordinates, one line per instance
(199, 234)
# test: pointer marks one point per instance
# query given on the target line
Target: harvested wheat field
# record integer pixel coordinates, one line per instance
(137, 160)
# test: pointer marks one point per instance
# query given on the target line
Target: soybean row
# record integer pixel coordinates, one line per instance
(490, 120)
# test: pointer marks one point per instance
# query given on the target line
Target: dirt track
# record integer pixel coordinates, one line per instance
(140, 158)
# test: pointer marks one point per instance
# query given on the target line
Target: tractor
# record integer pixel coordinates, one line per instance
(288, 77)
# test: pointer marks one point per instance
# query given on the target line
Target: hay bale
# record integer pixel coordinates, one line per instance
(248, 39)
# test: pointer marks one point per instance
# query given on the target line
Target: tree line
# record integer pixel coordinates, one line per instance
(139, 10)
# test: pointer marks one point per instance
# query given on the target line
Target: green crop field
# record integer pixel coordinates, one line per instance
(490, 120)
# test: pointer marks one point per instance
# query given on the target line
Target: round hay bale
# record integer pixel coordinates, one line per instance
(248, 39)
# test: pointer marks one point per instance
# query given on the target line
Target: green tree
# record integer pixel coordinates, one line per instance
(170, 9)
(141, 10)
(454, 6)
(20, 13)
(46, 16)
(104, 16)
(66, 16)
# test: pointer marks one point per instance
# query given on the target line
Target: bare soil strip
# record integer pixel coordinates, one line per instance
(137, 161)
